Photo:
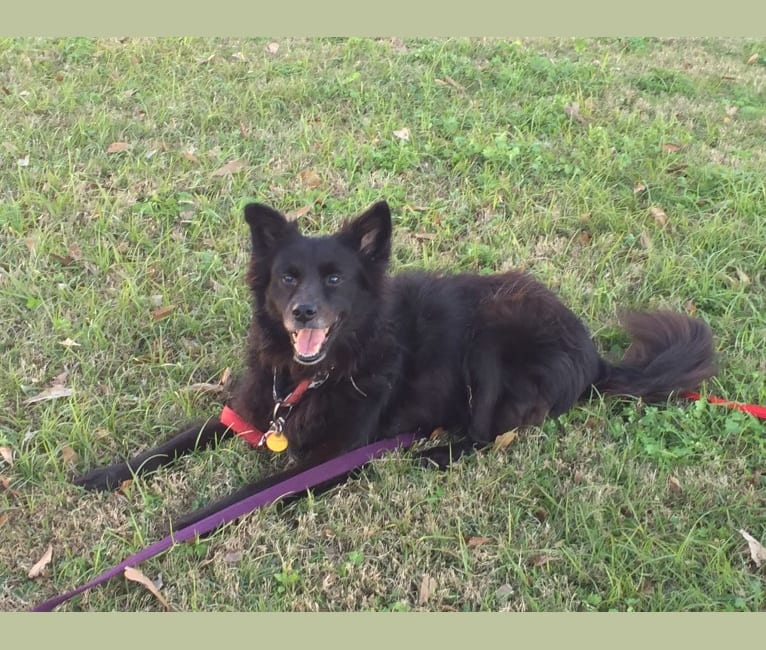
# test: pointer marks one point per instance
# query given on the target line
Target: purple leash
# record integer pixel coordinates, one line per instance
(303, 481)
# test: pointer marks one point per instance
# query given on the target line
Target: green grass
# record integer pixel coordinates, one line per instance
(498, 172)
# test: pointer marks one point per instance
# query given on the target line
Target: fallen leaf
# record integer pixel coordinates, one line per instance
(645, 240)
(579, 476)
(205, 387)
(297, 214)
(117, 147)
(473, 542)
(272, 48)
(671, 147)
(639, 188)
(403, 133)
(162, 312)
(744, 278)
(505, 439)
(753, 59)
(438, 432)
(37, 570)
(23, 162)
(674, 485)
(190, 156)
(5, 483)
(230, 167)
(7, 455)
(584, 237)
(124, 486)
(225, 376)
(136, 575)
(55, 390)
(573, 112)
(540, 559)
(309, 178)
(235, 557)
(757, 552)
(3, 517)
(659, 216)
(68, 455)
(427, 587)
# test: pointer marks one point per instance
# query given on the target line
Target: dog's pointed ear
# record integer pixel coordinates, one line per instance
(267, 227)
(370, 233)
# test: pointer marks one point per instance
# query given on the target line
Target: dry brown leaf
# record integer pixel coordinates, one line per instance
(427, 587)
(691, 308)
(297, 214)
(674, 485)
(540, 559)
(753, 59)
(579, 476)
(68, 455)
(505, 439)
(671, 147)
(124, 486)
(757, 551)
(659, 216)
(4, 516)
(272, 48)
(37, 570)
(231, 167)
(136, 575)
(162, 312)
(205, 387)
(225, 376)
(309, 178)
(645, 239)
(69, 343)
(744, 278)
(190, 156)
(5, 483)
(584, 237)
(117, 147)
(438, 432)
(639, 188)
(53, 392)
(403, 133)
(573, 112)
(7, 455)
(473, 542)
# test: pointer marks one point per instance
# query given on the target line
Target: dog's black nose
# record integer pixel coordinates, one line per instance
(304, 312)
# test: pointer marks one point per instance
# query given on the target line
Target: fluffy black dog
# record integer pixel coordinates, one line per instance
(477, 355)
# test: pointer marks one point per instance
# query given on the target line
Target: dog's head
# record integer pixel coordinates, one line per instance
(319, 289)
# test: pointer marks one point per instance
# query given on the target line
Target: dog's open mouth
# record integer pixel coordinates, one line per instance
(310, 344)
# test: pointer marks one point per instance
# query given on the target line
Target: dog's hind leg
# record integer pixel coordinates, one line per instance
(199, 437)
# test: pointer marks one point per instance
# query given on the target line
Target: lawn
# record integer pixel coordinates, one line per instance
(624, 173)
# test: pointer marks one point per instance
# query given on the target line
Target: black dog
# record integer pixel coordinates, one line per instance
(477, 355)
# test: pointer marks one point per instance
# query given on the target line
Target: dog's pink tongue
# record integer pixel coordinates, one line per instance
(308, 342)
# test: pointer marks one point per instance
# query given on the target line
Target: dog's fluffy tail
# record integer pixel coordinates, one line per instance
(669, 352)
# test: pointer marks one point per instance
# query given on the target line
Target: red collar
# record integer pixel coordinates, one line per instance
(252, 434)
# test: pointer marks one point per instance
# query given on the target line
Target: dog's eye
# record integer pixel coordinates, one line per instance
(289, 279)
(334, 279)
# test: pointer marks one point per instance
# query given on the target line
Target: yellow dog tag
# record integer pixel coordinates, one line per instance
(276, 441)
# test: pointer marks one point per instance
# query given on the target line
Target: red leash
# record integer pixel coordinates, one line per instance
(752, 409)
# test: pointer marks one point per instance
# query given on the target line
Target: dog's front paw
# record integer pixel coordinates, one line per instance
(104, 478)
